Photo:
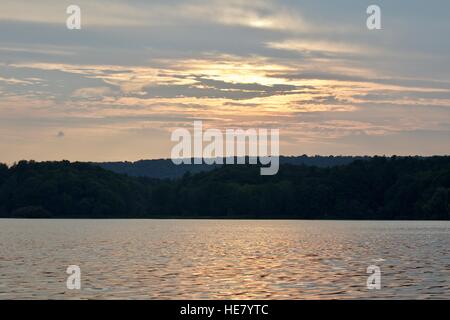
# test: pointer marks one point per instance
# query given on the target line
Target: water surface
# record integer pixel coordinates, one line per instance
(223, 259)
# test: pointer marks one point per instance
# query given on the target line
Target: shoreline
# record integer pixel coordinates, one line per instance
(223, 218)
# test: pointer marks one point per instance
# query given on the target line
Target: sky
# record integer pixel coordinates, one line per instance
(137, 70)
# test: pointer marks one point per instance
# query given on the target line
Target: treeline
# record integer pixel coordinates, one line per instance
(375, 188)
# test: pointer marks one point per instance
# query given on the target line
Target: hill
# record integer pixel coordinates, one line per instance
(165, 169)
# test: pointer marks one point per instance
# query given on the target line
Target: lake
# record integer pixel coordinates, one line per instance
(223, 259)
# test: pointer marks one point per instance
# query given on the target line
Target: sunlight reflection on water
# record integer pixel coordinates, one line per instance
(223, 259)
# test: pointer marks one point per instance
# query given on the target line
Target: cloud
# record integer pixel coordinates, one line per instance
(324, 47)
(254, 14)
(93, 13)
(137, 67)
(93, 93)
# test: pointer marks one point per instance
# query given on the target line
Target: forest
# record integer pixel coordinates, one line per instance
(377, 188)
